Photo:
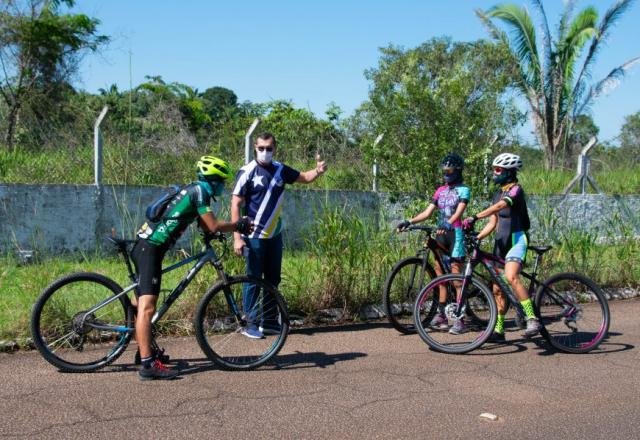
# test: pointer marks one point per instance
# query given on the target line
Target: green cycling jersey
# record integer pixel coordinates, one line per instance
(192, 201)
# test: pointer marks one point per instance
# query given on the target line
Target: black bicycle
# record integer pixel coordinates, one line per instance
(572, 308)
(411, 274)
(84, 321)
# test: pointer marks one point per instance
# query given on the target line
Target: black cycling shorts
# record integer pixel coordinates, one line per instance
(448, 241)
(147, 259)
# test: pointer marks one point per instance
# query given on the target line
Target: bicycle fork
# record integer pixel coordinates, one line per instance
(462, 290)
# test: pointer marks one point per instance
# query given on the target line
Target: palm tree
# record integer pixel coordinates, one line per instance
(557, 89)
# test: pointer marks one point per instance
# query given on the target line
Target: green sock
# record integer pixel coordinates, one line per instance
(527, 306)
(499, 328)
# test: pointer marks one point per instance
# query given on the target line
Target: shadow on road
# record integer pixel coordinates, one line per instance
(280, 362)
(316, 359)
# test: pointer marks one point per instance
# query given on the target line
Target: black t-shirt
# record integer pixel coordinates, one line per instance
(515, 216)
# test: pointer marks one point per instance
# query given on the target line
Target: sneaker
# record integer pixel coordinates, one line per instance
(533, 327)
(458, 327)
(439, 321)
(252, 332)
(159, 354)
(157, 371)
(270, 329)
(496, 338)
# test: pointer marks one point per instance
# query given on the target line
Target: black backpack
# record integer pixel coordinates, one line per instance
(155, 211)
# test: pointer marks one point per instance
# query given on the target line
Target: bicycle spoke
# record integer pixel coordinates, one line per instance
(574, 312)
(466, 326)
(401, 288)
(67, 336)
(227, 341)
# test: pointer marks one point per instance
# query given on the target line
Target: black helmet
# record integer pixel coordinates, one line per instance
(452, 160)
(452, 165)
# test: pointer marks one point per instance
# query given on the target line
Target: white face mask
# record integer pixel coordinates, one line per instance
(264, 157)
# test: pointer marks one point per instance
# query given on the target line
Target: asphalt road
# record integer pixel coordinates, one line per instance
(360, 381)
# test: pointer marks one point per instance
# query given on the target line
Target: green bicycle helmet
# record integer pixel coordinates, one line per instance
(213, 168)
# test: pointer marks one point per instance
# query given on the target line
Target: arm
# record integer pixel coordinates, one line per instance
(491, 210)
(489, 227)
(311, 175)
(492, 213)
(458, 214)
(236, 205)
(210, 223)
(424, 214)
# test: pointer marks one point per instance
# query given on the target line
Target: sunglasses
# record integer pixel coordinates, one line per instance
(498, 170)
(261, 149)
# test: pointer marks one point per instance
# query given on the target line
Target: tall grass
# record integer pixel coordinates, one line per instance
(620, 180)
(128, 165)
(344, 265)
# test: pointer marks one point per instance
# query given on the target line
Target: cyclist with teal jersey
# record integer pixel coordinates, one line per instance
(450, 199)
(508, 215)
(191, 203)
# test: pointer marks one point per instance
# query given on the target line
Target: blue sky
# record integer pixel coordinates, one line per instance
(311, 53)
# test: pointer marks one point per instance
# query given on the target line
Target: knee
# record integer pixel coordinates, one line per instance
(146, 308)
(513, 279)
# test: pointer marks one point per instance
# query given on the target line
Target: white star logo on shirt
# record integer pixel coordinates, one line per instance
(257, 181)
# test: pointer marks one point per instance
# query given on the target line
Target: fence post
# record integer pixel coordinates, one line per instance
(375, 164)
(583, 172)
(247, 140)
(97, 147)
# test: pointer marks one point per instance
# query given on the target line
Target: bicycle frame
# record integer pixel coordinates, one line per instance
(209, 255)
(489, 261)
(430, 245)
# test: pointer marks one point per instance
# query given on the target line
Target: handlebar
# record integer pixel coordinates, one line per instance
(427, 229)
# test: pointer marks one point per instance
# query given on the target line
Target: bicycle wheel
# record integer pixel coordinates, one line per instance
(404, 282)
(478, 315)
(221, 318)
(574, 312)
(71, 338)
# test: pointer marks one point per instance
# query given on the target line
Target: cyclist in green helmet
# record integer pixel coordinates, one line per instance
(191, 203)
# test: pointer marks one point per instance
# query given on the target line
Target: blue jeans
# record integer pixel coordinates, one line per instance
(265, 262)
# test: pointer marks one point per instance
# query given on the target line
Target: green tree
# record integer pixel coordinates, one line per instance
(439, 97)
(583, 130)
(40, 49)
(551, 79)
(630, 139)
(299, 131)
(219, 102)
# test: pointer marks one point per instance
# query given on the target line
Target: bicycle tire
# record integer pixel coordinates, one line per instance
(573, 311)
(69, 343)
(401, 289)
(477, 330)
(219, 329)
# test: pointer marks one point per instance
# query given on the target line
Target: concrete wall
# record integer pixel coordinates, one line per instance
(72, 218)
